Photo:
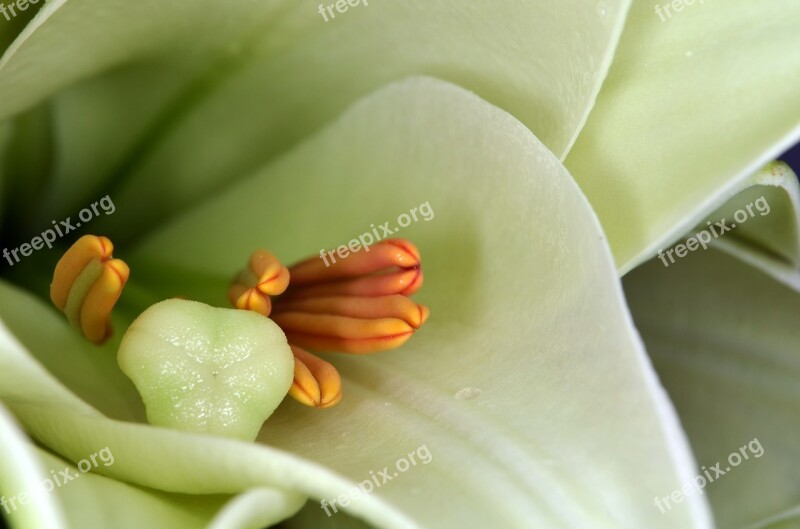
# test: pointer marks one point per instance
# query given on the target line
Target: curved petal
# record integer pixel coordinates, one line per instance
(91, 500)
(529, 341)
(771, 243)
(257, 508)
(724, 339)
(229, 86)
(90, 372)
(693, 105)
(21, 473)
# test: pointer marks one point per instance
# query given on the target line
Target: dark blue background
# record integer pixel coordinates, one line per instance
(792, 157)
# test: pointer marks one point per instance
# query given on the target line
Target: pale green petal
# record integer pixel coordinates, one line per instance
(257, 508)
(11, 26)
(247, 80)
(770, 239)
(724, 339)
(502, 386)
(89, 371)
(20, 472)
(692, 106)
(93, 501)
(183, 463)
(529, 342)
(792, 523)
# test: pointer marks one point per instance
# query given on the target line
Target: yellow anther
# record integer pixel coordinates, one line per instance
(316, 382)
(265, 276)
(87, 283)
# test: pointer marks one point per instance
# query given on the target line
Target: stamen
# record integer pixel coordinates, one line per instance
(358, 305)
(264, 277)
(404, 282)
(342, 334)
(86, 285)
(316, 382)
(386, 254)
(395, 306)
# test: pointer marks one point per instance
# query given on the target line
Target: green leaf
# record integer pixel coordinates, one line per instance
(723, 337)
(684, 119)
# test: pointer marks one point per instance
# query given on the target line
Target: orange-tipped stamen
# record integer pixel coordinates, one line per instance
(384, 255)
(359, 305)
(404, 282)
(395, 306)
(342, 334)
(85, 250)
(316, 382)
(254, 300)
(264, 277)
(86, 285)
(273, 277)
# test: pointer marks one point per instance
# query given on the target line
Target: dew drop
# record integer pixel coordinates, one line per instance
(601, 9)
(468, 393)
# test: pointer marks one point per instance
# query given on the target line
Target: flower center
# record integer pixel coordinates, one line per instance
(359, 304)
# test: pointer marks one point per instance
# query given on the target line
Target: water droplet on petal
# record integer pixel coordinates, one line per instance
(601, 9)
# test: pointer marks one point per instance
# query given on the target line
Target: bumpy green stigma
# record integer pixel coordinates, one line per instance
(205, 369)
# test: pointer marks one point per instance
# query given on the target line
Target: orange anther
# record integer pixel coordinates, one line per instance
(316, 382)
(86, 285)
(264, 277)
(342, 334)
(394, 306)
(382, 256)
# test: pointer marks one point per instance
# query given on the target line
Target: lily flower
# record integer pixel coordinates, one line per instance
(566, 377)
